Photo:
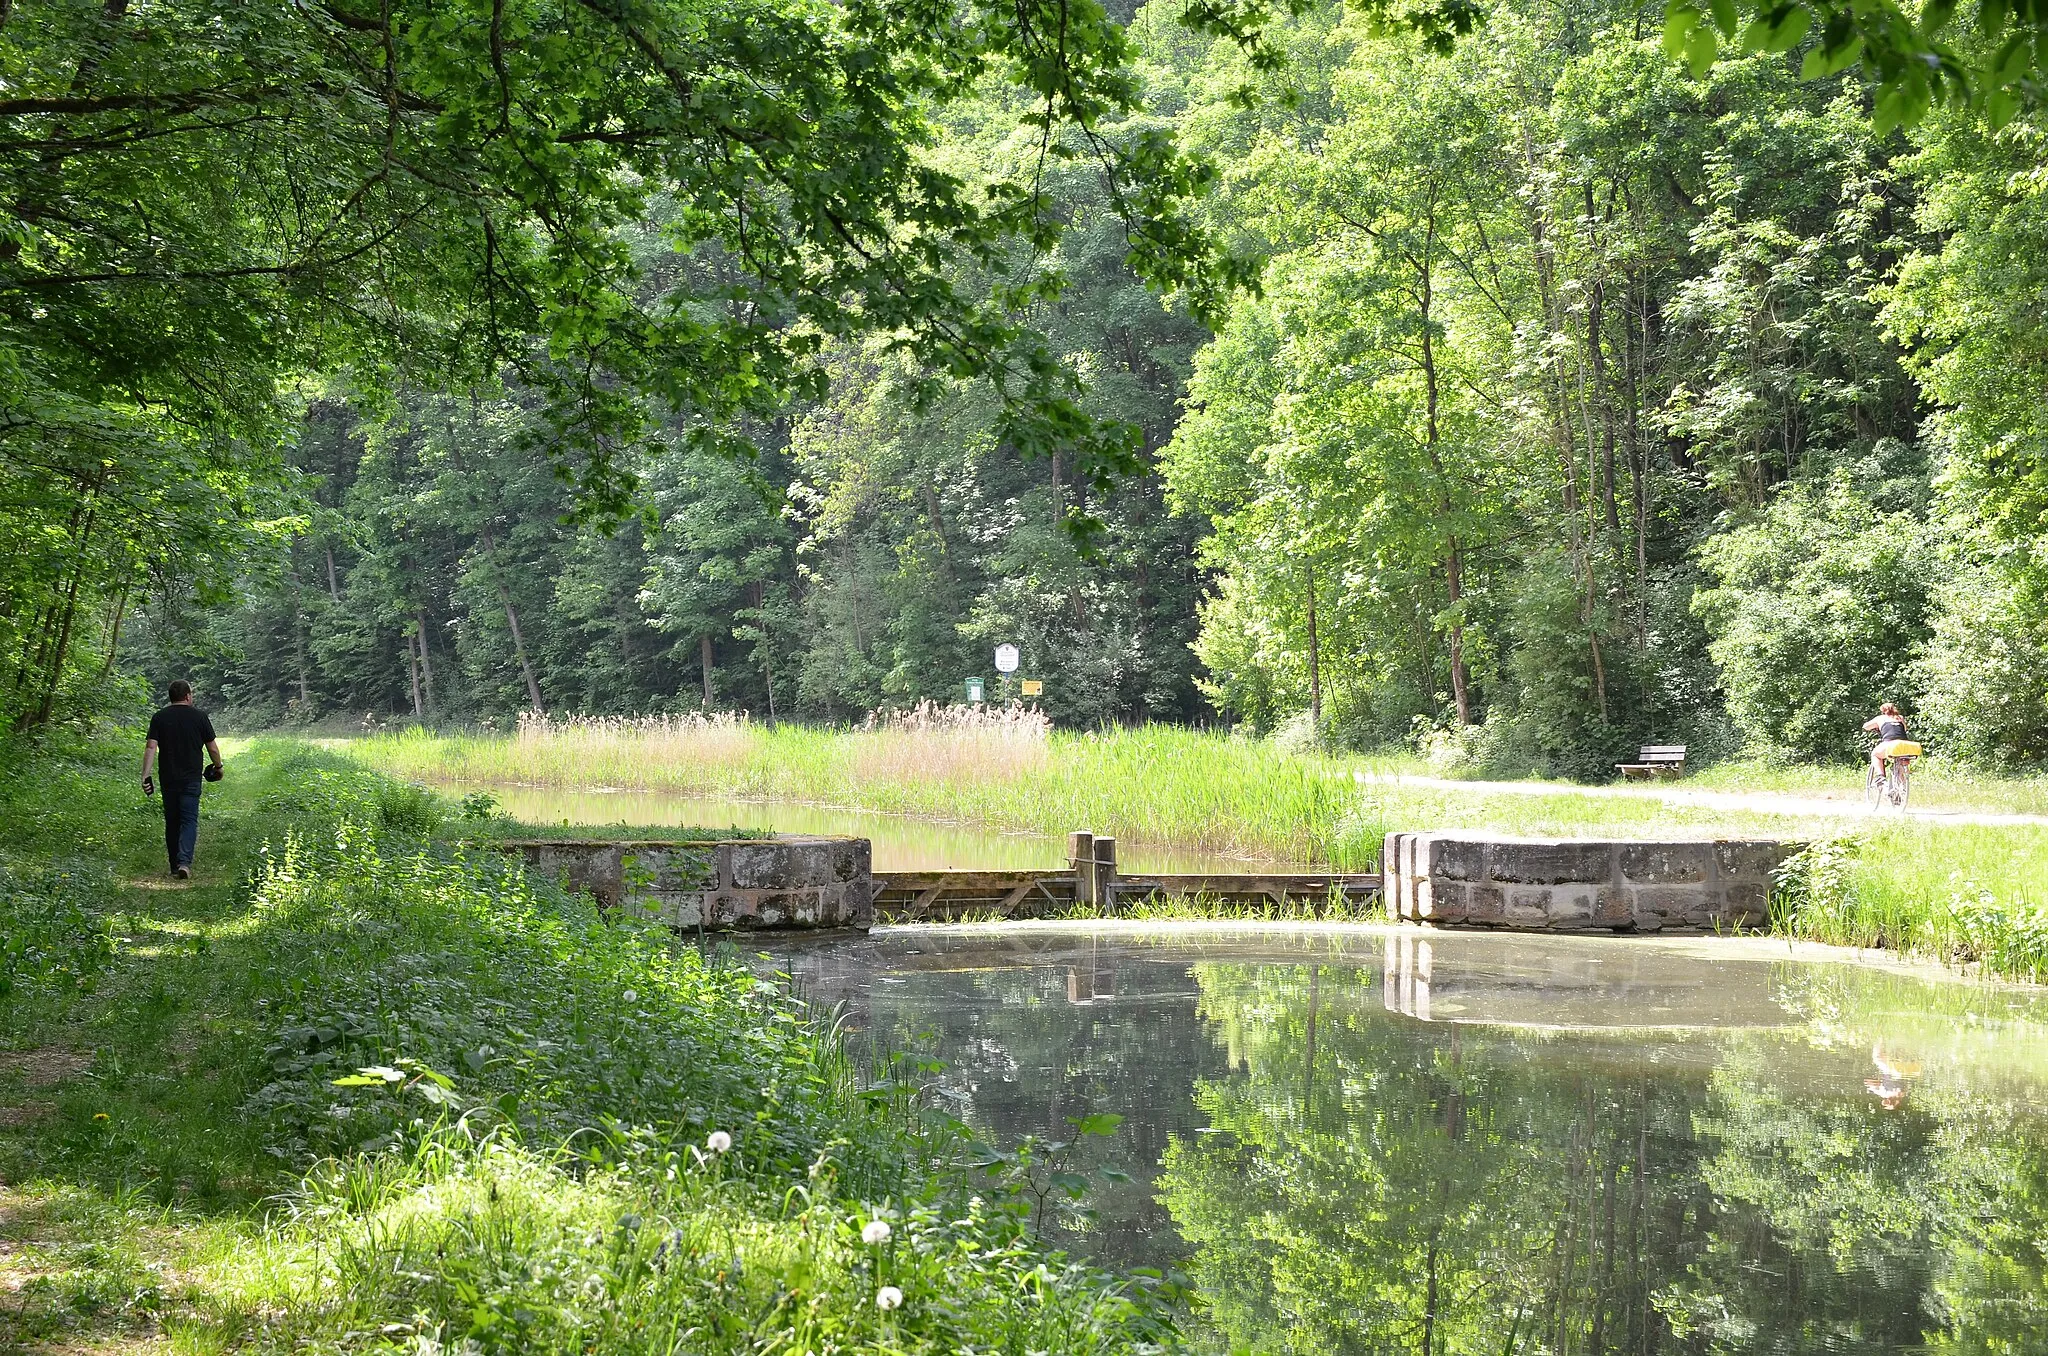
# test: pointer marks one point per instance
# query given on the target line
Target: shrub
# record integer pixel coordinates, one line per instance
(1820, 606)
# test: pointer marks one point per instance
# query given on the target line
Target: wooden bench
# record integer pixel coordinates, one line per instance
(1655, 760)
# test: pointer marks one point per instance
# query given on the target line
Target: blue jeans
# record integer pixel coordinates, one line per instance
(181, 821)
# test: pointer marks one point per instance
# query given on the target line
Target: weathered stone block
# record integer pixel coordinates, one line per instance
(1443, 858)
(1612, 907)
(778, 865)
(852, 859)
(683, 910)
(1440, 901)
(1484, 904)
(670, 870)
(1667, 863)
(1571, 905)
(1751, 859)
(1530, 906)
(1672, 905)
(1748, 904)
(1548, 863)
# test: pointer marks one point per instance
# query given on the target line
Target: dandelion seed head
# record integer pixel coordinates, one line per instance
(630, 996)
(718, 1141)
(887, 1298)
(877, 1232)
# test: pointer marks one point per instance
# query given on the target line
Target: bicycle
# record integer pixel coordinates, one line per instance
(1894, 785)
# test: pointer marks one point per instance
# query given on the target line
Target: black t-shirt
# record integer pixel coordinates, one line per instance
(181, 734)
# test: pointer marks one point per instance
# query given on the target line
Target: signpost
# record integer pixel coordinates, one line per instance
(1006, 659)
(974, 691)
(1033, 687)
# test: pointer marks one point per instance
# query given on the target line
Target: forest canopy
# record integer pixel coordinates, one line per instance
(1524, 384)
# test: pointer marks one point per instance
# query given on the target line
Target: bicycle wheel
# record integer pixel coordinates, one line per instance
(1873, 788)
(1901, 783)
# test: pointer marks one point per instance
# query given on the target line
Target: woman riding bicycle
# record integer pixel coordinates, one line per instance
(1890, 728)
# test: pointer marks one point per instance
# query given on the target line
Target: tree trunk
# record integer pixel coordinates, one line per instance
(299, 647)
(1638, 474)
(533, 700)
(114, 632)
(519, 649)
(333, 587)
(1432, 438)
(1461, 682)
(1595, 300)
(704, 663)
(412, 674)
(55, 667)
(1315, 664)
(426, 670)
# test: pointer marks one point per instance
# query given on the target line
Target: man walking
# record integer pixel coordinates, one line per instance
(176, 735)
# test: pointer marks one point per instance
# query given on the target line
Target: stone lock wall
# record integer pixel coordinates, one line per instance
(1542, 884)
(778, 882)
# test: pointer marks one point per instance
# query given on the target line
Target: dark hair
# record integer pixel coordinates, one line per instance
(180, 689)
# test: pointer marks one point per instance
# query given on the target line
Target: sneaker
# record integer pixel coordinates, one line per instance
(183, 873)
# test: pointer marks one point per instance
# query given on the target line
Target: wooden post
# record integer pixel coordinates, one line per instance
(1081, 856)
(1104, 882)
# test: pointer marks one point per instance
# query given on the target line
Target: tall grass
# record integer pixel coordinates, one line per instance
(1969, 893)
(1965, 894)
(1152, 784)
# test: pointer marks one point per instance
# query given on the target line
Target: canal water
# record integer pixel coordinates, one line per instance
(900, 842)
(1372, 1140)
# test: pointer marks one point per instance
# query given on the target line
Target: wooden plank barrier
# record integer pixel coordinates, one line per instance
(1091, 886)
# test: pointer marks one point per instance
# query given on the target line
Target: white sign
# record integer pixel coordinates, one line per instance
(1006, 659)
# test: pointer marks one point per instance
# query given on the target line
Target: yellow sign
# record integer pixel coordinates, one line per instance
(1033, 688)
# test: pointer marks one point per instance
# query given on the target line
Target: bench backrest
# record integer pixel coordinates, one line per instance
(1662, 753)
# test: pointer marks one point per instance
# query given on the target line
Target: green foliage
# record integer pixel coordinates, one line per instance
(492, 1244)
(1818, 610)
(1974, 897)
(55, 934)
(1982, 697)
(519, 1123)
(512, 996)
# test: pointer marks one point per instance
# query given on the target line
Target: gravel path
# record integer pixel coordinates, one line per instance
(1755, 802)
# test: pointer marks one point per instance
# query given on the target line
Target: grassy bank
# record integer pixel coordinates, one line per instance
(355, 1090)
(1963, 892)
(1155, 784)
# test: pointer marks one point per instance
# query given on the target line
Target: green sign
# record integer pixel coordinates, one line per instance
(974, 691)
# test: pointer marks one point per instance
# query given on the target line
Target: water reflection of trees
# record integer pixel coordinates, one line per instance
(1031, 1049)
(1382, 1184)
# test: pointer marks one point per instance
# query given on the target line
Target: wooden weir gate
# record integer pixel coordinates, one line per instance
(1091, 882)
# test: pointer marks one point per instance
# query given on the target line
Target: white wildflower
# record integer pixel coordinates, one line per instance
(630, 996)
(877, 1232)
(887, 1298)
(718, 1141)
